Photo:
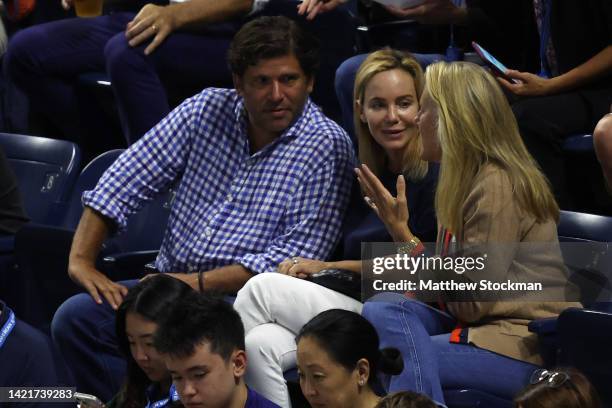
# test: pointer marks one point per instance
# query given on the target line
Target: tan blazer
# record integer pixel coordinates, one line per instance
(492, 215)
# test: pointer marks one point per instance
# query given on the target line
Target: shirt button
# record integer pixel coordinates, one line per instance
(207, 232)
(230, 197)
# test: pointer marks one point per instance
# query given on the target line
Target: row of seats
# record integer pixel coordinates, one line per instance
(51, 185)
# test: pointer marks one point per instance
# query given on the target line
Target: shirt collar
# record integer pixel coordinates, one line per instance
(293, 131)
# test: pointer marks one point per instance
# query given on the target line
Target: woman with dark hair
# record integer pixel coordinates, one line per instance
(338, 358)
(148, 383)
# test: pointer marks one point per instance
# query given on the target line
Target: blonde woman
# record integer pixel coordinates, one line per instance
(274, 307)
(490, 191)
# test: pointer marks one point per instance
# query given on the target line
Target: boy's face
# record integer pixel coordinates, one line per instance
(205, 379)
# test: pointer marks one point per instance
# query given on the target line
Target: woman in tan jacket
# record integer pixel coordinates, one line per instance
(490, 193)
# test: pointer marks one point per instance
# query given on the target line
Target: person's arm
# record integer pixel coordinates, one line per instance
(160, 21)
(533, 85)
(228, 279)
(432, 12)
(141, 172)
(91, 232)
(302, 268)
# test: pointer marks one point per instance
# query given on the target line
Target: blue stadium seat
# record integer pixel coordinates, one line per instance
(42, 250)
(46, 171)
(579, 144)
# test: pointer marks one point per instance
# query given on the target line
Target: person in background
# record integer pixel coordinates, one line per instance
(499, 26)
(490, 193)
(558, 387)
(572, 89)
(406, 399)
(338, 359)
(182, 43)
(276, 306)
(202, 344)
(147, 382)
(28, 359)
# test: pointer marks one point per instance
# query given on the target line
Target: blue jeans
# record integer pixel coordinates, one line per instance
(45, 60)
(345, 81)
(433, 364)
(84, 332)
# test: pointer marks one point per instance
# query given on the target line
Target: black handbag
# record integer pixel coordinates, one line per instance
(340, 280)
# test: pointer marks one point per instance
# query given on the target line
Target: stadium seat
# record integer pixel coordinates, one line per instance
(46, 170)
(579, 144)
(42, 250)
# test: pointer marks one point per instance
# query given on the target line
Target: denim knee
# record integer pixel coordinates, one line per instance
(17, 61)
(68, 317)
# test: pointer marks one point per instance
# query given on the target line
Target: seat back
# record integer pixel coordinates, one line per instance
(46, 170)
(87, 180)
(587, 251)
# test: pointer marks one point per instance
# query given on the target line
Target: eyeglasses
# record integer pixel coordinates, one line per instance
(553, 379)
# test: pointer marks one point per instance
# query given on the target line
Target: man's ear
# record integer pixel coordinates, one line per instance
(310, 85)
(239, 363)
(238, 84)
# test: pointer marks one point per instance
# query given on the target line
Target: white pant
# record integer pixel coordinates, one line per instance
(273, 308)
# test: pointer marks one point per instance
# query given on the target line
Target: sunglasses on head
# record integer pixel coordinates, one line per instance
(552, 378)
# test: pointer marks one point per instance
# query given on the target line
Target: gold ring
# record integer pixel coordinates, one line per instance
(294, 260)
(154, 27)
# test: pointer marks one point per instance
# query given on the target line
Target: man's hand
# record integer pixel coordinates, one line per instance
(313, 7)
(301, 267)
(151, 21)
(189, 278)
(431, 12)
(529, 85)
(96, 283)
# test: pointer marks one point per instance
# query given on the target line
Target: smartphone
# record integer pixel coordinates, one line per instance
(88, 400)
(499, 68)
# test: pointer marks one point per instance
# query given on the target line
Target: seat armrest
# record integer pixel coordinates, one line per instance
(128, 265)
(543, 327)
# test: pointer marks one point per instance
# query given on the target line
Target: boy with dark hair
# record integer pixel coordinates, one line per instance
(202, 341)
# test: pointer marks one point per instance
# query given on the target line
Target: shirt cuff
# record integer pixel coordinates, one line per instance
(104, 206)
(258, 263)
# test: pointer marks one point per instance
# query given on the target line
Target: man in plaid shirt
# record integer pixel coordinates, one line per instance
(264, 176)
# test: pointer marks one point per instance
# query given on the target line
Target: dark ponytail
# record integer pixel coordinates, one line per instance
(348, 337)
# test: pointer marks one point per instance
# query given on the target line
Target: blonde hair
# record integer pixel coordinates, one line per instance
(370, 152)
(476, 126)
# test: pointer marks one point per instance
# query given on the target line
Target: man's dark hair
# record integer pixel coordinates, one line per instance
(271, 37)
(197, 319)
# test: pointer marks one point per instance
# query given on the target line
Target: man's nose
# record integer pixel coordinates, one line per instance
(276, 91)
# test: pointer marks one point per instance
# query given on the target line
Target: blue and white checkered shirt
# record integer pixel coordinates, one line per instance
(231, 206)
